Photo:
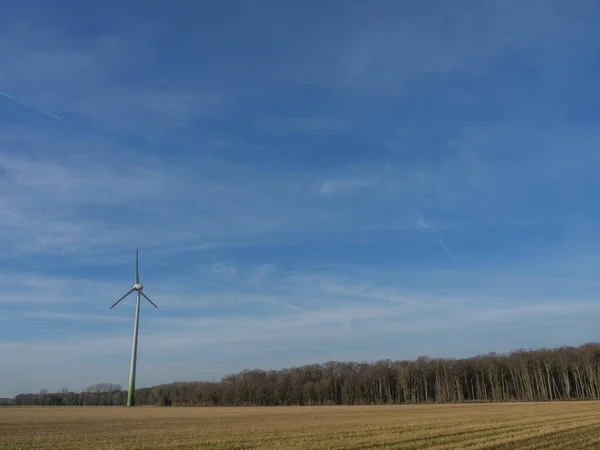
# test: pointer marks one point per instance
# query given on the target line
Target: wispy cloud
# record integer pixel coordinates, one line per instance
(271, 185)
(273, 331)
(266, 299)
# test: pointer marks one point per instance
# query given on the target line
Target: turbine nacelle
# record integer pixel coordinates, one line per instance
(137, 286)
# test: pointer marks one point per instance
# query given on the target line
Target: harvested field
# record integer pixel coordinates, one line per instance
(573, 425)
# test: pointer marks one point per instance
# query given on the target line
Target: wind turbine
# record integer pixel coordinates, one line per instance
(136, 287)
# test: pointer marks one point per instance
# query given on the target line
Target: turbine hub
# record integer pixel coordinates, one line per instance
(138, 287)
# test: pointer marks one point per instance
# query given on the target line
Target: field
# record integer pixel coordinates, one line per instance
(571, 425)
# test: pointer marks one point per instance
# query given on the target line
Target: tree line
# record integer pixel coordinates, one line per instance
(99, 394)
(566, 373)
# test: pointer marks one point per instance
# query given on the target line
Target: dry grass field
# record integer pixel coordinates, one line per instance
(571, 425)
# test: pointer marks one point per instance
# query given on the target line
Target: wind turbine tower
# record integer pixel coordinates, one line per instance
(136, 287)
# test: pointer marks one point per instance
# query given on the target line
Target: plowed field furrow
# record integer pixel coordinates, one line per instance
(525, 426)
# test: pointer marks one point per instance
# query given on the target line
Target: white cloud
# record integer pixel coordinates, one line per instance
(223, 270)
(360, 309)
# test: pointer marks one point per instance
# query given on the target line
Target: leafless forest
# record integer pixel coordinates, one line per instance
(566, 373)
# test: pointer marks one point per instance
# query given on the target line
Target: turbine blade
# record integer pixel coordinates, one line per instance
(147, 298)
(137, 273)
(130, 291)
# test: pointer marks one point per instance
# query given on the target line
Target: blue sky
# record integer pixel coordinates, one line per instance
(306, 180)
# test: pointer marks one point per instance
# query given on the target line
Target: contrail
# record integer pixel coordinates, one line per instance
(302, 310)
(286, 305)
(446, 249)
(425, 225)
(40, 111)
(15, 216)
(113, 142)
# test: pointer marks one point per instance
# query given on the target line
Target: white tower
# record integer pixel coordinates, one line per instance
(136, 287)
